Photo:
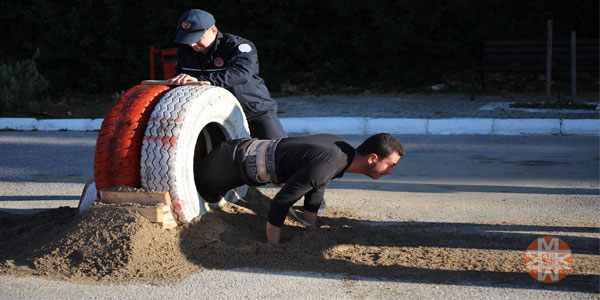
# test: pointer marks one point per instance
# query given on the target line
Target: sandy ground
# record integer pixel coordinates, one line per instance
(453, 221)
(109, 244)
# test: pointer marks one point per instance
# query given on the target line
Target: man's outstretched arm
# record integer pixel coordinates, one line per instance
(301, 183)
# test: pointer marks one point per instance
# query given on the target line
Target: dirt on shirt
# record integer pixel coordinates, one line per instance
(109, 244)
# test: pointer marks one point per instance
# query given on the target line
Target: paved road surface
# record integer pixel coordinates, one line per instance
(461, 181)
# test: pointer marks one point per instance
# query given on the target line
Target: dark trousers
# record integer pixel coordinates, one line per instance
(266, 127)
(217, 172)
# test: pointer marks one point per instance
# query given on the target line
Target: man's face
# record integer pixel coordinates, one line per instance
(382, 166)
(205, 41)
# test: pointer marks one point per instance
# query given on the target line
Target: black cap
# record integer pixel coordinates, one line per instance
(192, 25)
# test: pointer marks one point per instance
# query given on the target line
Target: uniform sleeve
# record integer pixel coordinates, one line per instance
(309, 181)
(238, 67)
(181, 56)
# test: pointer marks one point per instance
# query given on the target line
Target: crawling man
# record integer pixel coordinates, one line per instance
(303, 164)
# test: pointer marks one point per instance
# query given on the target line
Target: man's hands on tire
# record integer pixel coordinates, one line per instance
(182, 79)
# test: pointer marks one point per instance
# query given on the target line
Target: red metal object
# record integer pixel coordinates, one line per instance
(168, 58)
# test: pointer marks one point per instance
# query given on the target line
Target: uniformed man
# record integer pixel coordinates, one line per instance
(228, 61)
(303, 164)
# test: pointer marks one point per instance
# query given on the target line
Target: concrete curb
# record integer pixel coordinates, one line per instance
(361, 125)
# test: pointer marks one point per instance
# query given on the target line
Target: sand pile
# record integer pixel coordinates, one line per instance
(107, 243)
(111, 244)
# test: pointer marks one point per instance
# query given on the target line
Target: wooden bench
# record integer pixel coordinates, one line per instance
(531, 55)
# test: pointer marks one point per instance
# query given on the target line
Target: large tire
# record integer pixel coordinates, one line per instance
(119, 143)
(186, 124)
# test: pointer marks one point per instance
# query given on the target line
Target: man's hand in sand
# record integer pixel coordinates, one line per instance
(311, 218)
(273, 234)
(182, 79)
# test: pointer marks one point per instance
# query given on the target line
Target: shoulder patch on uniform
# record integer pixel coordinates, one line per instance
(244, 48)
(218, 62)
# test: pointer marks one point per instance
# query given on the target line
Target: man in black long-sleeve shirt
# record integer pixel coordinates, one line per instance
(305, 164)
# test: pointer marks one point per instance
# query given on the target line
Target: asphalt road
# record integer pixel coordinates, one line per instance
(461, 181)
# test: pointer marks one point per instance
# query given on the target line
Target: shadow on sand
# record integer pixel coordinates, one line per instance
(234, 238)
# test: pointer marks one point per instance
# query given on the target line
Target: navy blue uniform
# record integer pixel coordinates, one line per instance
(232, 63)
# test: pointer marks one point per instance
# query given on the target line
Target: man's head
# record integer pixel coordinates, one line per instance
(196, 29)
(381, 153)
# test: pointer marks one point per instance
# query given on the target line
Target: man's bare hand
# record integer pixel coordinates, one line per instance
(181, 79)
(273, 234)
(311, 218)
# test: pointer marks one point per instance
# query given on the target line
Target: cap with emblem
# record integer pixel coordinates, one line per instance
(192, 25)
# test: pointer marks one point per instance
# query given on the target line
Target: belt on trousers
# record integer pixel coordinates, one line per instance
(260, 161)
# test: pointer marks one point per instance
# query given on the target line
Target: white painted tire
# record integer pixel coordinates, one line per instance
(188, 121)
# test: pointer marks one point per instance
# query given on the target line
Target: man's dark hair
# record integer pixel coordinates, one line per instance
(382, 144)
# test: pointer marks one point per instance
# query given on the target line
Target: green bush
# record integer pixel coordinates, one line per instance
(22, 86)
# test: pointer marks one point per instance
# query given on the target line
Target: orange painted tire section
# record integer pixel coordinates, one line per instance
(119, 143)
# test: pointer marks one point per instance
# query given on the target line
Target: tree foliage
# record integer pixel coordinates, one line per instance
(103, 45)
(22, 87)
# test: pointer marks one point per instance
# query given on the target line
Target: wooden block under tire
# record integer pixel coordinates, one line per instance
(161, 214)
(168, 222)
(147, 198)
(155, 206)
(152, 213)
